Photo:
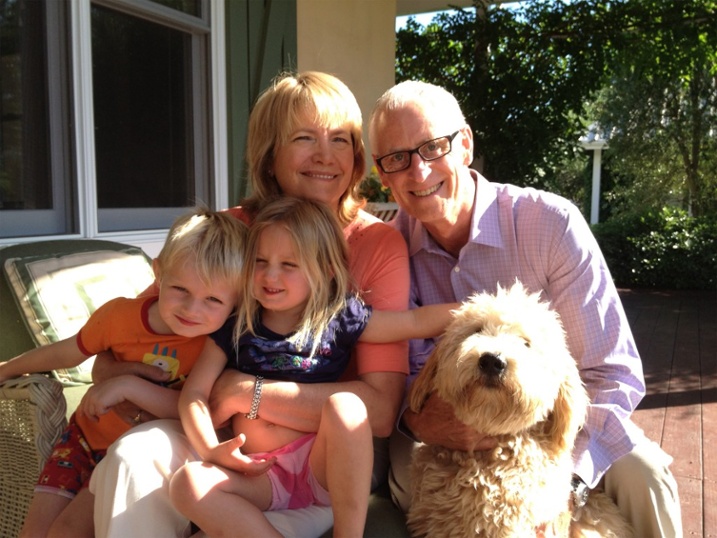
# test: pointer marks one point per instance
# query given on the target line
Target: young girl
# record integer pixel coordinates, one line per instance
(297, 321)
(198, 271)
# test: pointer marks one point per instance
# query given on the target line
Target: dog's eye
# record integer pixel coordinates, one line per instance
(526, 342)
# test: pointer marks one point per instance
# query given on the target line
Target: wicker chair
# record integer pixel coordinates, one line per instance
(32, 415)
(34, 408)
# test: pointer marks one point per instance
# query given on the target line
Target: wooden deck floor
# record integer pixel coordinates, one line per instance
(676, 334)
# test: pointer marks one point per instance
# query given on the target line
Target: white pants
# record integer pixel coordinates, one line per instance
(640, 483)
(131, 488)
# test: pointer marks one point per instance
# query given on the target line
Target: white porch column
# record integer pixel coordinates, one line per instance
(595, 141)
(595, 198)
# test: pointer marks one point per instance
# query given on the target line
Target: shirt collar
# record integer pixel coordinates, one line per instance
(420, 239)
(485, 224)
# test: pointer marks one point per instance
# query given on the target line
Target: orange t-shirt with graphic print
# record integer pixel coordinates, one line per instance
(122, 326)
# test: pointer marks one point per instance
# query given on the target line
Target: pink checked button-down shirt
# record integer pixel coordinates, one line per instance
(543, 240)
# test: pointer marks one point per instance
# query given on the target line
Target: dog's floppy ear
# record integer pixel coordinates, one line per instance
(423, 385)
(568, 413)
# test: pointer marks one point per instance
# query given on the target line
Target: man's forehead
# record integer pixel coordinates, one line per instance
(409, 131)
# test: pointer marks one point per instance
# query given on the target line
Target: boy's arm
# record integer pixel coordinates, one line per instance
(422, 322)
(156, 400)
(107, 367)
(62, 354)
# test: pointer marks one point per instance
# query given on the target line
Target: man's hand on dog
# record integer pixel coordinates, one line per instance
(437, 425)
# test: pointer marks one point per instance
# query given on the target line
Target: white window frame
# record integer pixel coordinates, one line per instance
(82, 92)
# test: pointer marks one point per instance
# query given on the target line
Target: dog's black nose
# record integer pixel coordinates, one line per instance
(492, 364)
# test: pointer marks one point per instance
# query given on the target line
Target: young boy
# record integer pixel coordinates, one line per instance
(198, 272)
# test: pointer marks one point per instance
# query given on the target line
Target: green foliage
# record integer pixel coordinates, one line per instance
(521, 75)
(373, 190)
(660, 249)
(661, 104)
(441, 51)
(525, 76)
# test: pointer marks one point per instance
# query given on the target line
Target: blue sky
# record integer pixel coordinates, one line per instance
(425, 18)
(422, 18)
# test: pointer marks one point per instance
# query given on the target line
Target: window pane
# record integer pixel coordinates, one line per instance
(142, 86)
(25, 180)
(36, 141)
(190, 7)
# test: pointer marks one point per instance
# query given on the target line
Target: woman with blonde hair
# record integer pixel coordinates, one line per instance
(304, 141)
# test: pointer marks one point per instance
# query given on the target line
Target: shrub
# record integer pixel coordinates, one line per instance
(372, 189)
(665, 249)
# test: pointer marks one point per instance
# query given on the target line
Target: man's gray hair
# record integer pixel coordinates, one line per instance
(427, 95)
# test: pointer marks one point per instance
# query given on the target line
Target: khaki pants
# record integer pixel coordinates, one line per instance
(640, 483)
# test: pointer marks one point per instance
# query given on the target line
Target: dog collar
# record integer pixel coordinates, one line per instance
(580, 492)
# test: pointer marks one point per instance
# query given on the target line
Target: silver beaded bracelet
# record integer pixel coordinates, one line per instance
(254, 411)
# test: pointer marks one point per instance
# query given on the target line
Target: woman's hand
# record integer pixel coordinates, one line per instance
(106, 367)
(436, 424)
(231, 394)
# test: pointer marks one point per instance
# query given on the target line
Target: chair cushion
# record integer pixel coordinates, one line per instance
(57, 293)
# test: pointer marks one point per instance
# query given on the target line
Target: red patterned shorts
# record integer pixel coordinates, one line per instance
(70, 465)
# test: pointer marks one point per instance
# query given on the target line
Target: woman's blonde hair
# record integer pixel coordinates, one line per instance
(322, 254)
(214, 242)
(278, 112)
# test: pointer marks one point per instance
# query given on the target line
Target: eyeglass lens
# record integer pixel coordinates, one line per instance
(428, 151)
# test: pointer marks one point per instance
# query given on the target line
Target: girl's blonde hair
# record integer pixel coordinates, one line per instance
(277, 114)
(214, 242)
(322, 255)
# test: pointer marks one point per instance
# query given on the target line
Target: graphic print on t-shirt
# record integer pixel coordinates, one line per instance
(165, 361)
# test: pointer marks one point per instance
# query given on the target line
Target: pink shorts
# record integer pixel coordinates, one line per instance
(70, 465)
(293, 485)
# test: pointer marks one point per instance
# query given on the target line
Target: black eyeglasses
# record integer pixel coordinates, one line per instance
(428, 151)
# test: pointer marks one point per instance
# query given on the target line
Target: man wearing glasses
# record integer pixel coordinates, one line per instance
(467, 234)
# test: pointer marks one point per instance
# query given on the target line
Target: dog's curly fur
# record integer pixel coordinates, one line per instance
(504, 367)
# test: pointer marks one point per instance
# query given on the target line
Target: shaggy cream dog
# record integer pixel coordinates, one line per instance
(504, 367)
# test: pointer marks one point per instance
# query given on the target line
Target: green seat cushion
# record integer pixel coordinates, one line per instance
(56, 291)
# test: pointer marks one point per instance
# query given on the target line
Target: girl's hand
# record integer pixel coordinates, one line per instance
(229, 455)
(101, 397)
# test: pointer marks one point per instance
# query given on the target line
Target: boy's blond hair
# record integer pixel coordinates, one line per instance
(213, 241)
(322, 255)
